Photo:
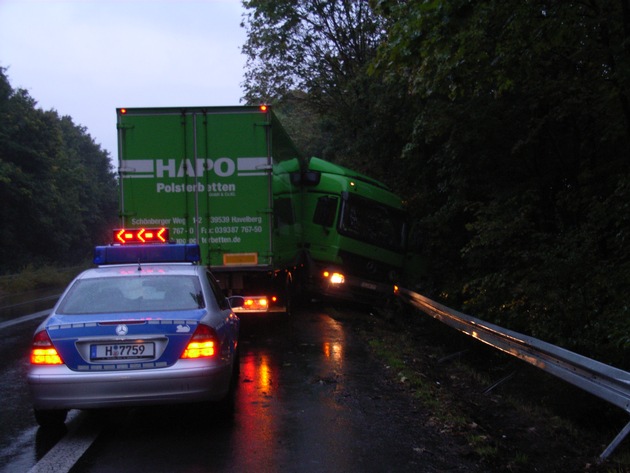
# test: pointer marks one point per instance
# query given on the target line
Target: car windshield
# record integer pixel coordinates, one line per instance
(132, 294)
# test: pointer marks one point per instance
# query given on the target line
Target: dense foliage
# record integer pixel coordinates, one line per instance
(313, 57)
(506, 127)
(57, 188)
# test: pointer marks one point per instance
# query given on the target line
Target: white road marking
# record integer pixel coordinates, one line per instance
(63, 456)
(24, 318)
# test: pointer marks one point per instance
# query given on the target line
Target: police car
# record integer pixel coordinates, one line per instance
(149, 325)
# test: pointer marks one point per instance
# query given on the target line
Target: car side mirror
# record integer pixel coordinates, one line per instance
(236, 301)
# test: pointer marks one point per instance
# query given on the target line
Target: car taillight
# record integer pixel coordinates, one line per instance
(203, 343)
(43, 352)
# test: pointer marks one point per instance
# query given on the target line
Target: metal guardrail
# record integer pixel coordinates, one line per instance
(604, 381)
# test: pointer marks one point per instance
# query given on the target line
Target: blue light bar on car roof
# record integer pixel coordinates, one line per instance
(124, 254)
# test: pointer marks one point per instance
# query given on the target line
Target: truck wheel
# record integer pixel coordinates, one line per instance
(288, 295)
(50, 419)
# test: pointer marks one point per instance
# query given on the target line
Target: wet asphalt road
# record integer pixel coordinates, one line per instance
(309, 399)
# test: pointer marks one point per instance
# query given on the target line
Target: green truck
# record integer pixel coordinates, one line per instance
(271, 225)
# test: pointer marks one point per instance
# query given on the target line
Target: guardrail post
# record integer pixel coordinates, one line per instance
(618, 439)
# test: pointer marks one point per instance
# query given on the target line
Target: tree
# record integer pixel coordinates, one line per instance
(56, 185)
(504, 125)
(519, 156)
(317, 47)
(312, 59)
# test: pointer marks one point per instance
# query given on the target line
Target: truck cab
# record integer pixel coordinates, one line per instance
(354, 233)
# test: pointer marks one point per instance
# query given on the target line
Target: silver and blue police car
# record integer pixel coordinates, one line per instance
(147, 326)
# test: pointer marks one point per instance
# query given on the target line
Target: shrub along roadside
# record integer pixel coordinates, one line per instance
(44, 277)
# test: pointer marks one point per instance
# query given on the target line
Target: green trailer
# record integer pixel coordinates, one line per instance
(219, 177)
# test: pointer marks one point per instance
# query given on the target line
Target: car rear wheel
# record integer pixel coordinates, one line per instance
(225, 408)
(50, 418)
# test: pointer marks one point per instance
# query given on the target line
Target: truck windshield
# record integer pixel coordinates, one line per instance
(373, 222)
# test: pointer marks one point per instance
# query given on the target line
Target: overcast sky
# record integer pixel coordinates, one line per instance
(85, 58)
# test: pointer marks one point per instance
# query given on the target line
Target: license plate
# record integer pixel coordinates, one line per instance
(122, 351)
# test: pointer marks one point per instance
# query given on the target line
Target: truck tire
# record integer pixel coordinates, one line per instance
(288, 295)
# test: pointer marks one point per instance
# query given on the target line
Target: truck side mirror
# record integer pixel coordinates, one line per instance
(236, 301)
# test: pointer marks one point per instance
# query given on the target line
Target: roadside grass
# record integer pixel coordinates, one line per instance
(429, 373)
(482, 447)
(33, 278)
(397, 352)
(622, 466)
